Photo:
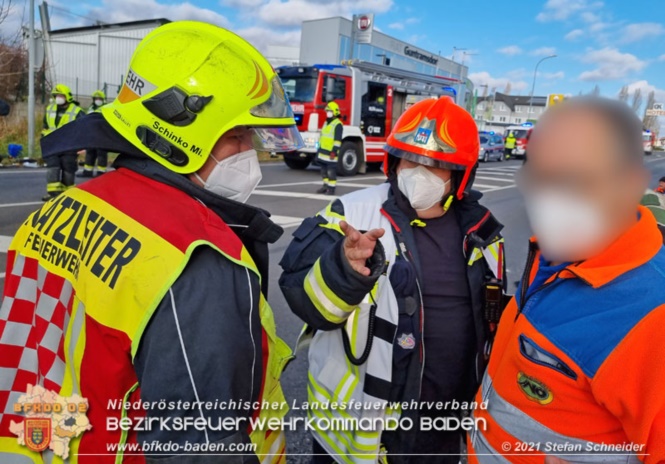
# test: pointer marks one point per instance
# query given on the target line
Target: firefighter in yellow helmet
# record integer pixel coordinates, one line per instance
(329, 144)
(93, 156)
(60, 169)
(152, 278)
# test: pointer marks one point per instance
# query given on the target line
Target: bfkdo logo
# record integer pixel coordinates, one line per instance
(422, 136)
(51, 421)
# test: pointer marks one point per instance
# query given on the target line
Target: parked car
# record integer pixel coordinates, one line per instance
(491, 147)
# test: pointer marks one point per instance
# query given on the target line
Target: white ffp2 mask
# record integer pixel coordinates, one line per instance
(60, 100)
(422, 187)
(235, 177)
(567, 228)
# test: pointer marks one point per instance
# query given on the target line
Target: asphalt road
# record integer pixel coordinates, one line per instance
(289, 196)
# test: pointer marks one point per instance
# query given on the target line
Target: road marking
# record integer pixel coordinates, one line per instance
(4, 243)
(30, 203)
(23, 171)
(310, 196)
(318, 182)
(494, 178)
(501, 170)
(287, 221)
(494, 189)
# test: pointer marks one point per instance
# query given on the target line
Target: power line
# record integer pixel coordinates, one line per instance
(71, 13)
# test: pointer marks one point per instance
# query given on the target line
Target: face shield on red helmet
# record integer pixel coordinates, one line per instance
(436, 133)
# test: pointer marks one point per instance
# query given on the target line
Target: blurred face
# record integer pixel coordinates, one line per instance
(581, 193)
(60, 99)
(661, 184)
(443, 174)
(235, 141)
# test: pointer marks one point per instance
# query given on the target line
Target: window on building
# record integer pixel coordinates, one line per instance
(502, 119)
(518, 109)
(518, 120)
(344, 47)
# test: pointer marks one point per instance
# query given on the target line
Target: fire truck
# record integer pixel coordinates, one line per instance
(371, 98)
(522, 134)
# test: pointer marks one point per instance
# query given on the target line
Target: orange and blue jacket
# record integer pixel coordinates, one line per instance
(578, 367)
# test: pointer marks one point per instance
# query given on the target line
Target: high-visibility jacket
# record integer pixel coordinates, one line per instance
(510, 142)
(94, 109)
(333, 379)
(330, 139)
(578, 360)
(51, 121)
(85, 274)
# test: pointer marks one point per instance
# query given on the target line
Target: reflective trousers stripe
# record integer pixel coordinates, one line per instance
(55, 187)
(485, 453)
(526, 429)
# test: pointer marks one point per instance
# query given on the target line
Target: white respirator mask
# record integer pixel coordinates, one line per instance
(235, 177)
(60, 100)
(99, 102)
(329, 114)
(567, 227)
(422, 187)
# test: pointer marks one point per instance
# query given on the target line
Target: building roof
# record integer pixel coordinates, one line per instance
(513, 100)
(143, 22)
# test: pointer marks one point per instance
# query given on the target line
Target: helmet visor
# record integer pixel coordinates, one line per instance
(276, 139)
(422, 159)
(277, 106)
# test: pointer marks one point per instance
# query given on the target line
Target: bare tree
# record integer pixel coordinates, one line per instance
(13, 57)
(637, 100)
(508, 88)
(623, 94)
(596, 91)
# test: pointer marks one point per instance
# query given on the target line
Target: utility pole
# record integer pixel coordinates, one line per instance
(31, 82)
(533, 86)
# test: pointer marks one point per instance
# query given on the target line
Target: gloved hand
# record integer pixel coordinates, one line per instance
(333, 155)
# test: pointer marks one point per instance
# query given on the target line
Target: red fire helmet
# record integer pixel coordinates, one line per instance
(437, 133)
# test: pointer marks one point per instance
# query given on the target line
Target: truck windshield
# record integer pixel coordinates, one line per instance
(299, 88)
(520, 133)
(646, 137)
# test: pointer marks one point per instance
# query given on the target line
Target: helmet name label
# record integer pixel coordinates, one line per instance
(173, 137)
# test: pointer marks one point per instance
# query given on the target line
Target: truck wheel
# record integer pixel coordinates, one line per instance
(298, 164)
(349, 159)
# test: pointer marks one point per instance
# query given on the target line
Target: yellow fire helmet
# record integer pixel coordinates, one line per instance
(188, 83)
(99, 94)
(334, 107)
(62, 89)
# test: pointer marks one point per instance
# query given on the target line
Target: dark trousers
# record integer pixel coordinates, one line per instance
(60, 172)
(329, 173)
(100, 156)
(507, 151)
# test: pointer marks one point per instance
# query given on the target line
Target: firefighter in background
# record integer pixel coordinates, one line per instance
(661, 186)
(156, 288)
(329, 143)
(400, 311)
(509, 145)
(60, 169)
(93, 156)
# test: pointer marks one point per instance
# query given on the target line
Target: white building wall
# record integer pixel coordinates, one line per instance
(94, 58)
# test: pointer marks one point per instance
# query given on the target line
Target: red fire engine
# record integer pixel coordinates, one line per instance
(371, 98)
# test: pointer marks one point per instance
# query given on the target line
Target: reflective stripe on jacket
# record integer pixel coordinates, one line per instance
(70, 114)
(578, 363)
(332, 378)
(89, 269)
(330, 139)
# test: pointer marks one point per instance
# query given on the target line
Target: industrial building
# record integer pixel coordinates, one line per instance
(94, 57)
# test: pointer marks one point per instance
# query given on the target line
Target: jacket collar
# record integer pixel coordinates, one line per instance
(635, 247)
